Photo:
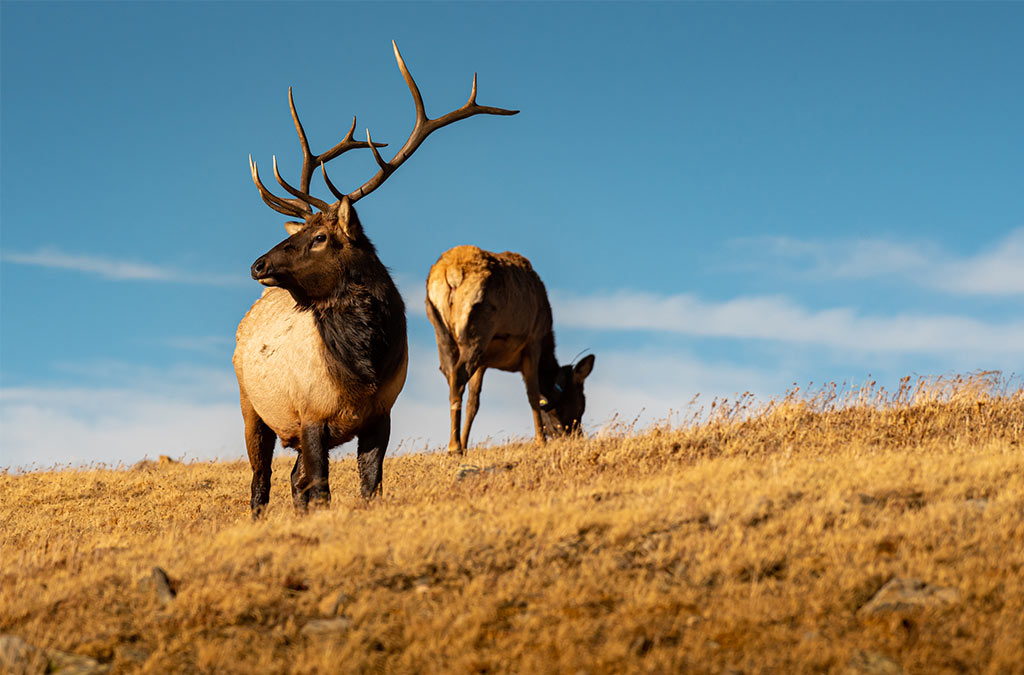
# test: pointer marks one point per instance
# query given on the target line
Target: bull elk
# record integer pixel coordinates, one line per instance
(490, 310)
(322, 355)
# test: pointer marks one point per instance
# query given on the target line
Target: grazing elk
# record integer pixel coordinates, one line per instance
(322, 355)
(490, 310)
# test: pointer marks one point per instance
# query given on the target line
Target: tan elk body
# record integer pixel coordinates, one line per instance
(322, 356)
(467, 277)
(491, 310)
(280, 345)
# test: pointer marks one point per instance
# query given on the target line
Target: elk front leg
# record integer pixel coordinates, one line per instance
(531, 377)
(472, 403)
(315, 466)
(259, 444)
(373, 443)
(300, 496)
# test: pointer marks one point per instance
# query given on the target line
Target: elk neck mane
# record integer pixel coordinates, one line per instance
(359, 321)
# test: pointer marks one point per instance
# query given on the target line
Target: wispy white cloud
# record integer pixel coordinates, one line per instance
(414, 293)
(780, 319)
(45, 426)
(642, 386)
(116, 270)
(997, 270)
(110, 411)
(651, 385)
(193, 412)
(182, 380)
(421, 416)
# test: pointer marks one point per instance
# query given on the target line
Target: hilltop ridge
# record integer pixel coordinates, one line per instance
(859, 531)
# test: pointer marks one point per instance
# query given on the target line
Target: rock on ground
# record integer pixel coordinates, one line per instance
(908, 595)
(18, 657)
(871, 663)
(326, 626)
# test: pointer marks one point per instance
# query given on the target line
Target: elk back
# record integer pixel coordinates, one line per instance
(467, 280)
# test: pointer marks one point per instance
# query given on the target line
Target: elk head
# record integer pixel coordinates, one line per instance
(329, 245)
(318, 255)
(562, 408)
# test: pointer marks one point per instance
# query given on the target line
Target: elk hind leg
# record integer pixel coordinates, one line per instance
(473, 341)
(457, 379)
(449, 356)
(259, 444)
(472, 403)
(373, 443)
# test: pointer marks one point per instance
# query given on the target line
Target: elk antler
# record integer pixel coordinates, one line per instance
(289, 207)
(301, 207)
(424, 127)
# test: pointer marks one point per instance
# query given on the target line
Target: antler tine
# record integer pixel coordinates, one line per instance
(376, 155)
(330, 186)
(384, 166)
(421, 112)
(304, 196)
(311, 161)
(288, 207)
(346, 144)
(307, 155)
(424, 127)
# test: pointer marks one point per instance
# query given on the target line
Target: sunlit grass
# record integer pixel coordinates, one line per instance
(746, 537)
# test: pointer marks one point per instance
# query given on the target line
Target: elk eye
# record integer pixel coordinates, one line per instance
(320, 238)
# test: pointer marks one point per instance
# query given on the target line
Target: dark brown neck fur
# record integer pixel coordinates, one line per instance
(362, 325)
(548, 367)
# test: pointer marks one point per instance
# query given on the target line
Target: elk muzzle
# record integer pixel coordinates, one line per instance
(263, 272)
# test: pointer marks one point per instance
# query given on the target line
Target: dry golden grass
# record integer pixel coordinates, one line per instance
(746, 542)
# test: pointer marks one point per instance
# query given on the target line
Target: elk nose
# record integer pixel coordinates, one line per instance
(259, 267)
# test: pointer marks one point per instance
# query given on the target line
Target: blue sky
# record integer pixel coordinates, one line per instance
(720, 198)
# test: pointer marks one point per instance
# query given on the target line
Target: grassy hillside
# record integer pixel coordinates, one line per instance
(751, 539)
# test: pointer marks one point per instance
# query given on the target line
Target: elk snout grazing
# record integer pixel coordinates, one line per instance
(562, 412)
(322, 356)
(491, 310)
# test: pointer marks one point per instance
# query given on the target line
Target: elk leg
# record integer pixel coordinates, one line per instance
(456, 387)
(259, 444)
(373, 443)
(300, 496)
(530, 364)
(472, 403)
(448, 354)
(315, 465)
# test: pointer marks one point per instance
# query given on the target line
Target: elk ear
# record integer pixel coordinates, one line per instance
(293, 228)
(348, 221)
(583, 368)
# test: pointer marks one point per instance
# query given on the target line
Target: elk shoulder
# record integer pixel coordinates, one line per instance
(282, 368)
